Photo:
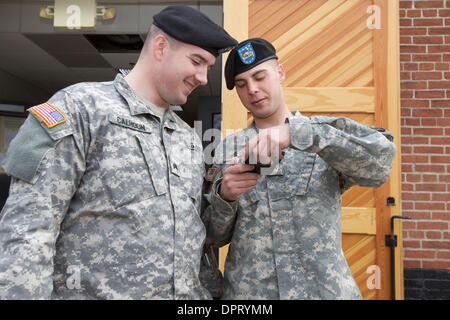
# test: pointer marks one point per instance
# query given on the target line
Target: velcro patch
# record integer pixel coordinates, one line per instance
(210, 174)
(50, 115)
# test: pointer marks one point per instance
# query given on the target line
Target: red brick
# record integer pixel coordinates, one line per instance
(438, 31)
(405, 112)
(416, 215)
(412, 264)
(426, 66)
(416, 140)
(406, 94)
(414, 85)
(444, 12)
(408, 150)
(429, 13)
(426, 254)
(441, 215)
(441, 197)
(428, 22)
(428, 122)
(415, 195)
(432, 225)
(405, 57)
(406, 40)
(438, 49)
(427, 76)
(429, 4)
(429, 205)
(405, 76)
(440, 103)
(430, 187)
(406, 131)
(439, 85)
(435, 264)
(433, 235)
(413, 103)
(411, 122)
(442, 66)
(428, 131)
(440, 159)
(428, 40)
(413, 49)
(429, 178)
(404, 22)
(426, 57)
(444, 178)
(406, 167)
(405, 4)
(430, 168)
(412, 178)
(416, 234)
(411, 243)
(436, 244)
(440, 141)
(433, 113)
(414, 13)
(414, 159)
(445, 122)
(428, 149)
(407, 205)
(413, 31)
(444, 255)
(407, 187)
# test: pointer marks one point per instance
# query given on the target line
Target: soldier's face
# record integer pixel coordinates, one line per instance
(260, 88)
(186, 68)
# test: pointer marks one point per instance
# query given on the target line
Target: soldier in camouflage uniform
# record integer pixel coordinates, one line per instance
(107, 180)
(285, 224)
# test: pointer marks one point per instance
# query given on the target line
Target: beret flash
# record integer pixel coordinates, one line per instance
(247, 55)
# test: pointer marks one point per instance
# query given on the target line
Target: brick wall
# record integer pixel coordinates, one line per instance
(425, 109)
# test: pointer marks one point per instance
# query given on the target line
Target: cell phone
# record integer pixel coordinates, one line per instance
(257, 166)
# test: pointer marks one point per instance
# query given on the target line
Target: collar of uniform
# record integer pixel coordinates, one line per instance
(294, 113)
(169, 120)
(134, 103)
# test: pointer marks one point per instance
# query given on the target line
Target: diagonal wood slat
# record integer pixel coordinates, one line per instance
(320, 43)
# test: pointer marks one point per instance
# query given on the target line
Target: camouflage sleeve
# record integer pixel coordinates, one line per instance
(361, 155)
(219, 215)
(40, 194)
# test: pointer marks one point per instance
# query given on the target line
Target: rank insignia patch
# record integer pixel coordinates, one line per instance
(247, 54)
(48, 114)
(211, 174)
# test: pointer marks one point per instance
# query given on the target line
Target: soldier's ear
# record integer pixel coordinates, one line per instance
(281, 73)
(160, 46)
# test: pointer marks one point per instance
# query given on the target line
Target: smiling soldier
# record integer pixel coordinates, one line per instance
(107, 180)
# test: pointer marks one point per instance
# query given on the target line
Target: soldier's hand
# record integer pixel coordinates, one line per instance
(269, 143)
(237, 180)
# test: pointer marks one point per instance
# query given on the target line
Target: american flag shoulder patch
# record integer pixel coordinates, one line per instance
(49, 114)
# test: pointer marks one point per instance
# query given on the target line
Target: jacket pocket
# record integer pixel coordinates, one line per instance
(294, 176)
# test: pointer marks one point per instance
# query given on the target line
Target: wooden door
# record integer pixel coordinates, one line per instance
(341, 58)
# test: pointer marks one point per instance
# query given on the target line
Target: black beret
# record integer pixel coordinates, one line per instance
(247, 55)
(191, 26)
